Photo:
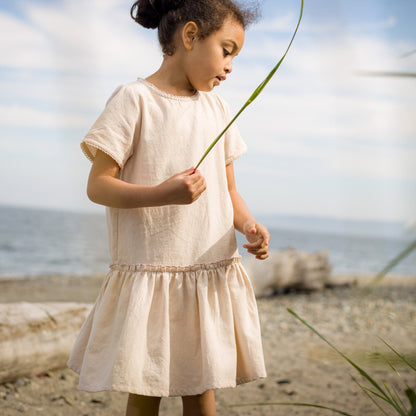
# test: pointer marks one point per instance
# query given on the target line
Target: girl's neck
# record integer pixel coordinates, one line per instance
(170, 79)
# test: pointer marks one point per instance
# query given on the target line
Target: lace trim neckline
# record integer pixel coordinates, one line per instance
(167, 95)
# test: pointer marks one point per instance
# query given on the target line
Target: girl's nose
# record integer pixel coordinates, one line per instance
(228, 67)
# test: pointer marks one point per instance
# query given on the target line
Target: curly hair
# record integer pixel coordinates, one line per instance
(168, 15)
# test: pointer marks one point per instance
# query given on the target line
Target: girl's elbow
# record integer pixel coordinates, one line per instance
(93, 193)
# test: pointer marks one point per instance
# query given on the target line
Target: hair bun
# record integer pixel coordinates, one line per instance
(148, 13)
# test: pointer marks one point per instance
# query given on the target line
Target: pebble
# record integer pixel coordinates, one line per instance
(20, 382)
(283, 382)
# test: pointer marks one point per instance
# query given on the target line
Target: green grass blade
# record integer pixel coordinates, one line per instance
(317, 406)
(394, 401)
(379, 276)
(402, 405)
(374, 393)
(256, 92)
(387, 361)
(402, 357)
(367, 392)
(358, 368)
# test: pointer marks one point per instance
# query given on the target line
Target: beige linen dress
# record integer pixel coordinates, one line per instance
(176, 315)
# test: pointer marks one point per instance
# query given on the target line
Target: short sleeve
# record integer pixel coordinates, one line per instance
(113, 132)
(234, 146)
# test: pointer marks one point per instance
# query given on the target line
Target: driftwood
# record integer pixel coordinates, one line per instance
(37, 337)
(288, 269)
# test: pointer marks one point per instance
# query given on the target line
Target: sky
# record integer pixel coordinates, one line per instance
(324, 138)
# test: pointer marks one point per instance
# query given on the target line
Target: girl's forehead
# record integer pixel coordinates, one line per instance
(231, 30)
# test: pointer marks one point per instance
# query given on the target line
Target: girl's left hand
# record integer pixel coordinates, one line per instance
(258, 239)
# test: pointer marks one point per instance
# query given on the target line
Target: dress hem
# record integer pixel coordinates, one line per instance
(125, 388)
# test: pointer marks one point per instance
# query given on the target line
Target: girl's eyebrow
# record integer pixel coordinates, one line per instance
(235, 46)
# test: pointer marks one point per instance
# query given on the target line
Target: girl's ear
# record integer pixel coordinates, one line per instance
(189, 35)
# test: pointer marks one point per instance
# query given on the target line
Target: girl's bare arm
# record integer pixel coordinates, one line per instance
(105, 188)
(257, 234)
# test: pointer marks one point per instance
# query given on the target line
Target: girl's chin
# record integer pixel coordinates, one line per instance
(209, 86)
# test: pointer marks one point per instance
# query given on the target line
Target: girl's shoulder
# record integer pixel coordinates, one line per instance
(133, 89)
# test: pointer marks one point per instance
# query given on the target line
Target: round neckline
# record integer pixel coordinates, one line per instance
(168, 95)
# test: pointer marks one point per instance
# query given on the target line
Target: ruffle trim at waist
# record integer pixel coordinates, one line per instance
(174, 269)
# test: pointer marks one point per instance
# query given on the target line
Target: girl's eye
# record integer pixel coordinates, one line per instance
(226, 53)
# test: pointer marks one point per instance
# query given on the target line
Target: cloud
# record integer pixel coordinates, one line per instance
(278, 24)
(354, 27)
(67, 57)
(75, 38)
(21, 116)
(24, 46)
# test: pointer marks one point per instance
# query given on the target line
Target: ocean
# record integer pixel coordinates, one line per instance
(36, 242)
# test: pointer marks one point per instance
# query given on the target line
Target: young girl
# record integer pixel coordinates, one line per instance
(176, 315)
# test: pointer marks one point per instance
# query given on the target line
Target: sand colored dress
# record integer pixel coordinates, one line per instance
(176, 314)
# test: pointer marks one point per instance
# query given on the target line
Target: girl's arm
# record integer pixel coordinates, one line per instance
(257, 234)
(105, 188)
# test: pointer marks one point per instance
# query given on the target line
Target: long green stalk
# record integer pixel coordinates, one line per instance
(256, 92)
(359, 369)
(384, 394)
(379, 276)
(401, 356)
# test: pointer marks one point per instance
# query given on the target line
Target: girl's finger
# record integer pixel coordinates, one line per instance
(262, 249)
(259, 252)
(255, 245)
(265, 235)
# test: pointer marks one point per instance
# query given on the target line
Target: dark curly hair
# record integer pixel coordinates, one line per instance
(169, 15)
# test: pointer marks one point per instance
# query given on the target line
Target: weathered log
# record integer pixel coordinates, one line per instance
(288, 269)
(37, 337)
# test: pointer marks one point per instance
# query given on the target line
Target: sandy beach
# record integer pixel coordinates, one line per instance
(301, 367)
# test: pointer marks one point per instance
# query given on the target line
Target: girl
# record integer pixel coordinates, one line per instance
(176, 315)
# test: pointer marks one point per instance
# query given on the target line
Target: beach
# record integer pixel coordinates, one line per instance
(301, 367)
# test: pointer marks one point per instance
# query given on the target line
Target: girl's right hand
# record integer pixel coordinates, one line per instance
(183, 188)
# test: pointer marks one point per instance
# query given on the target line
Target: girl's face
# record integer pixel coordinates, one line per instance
(210, 59)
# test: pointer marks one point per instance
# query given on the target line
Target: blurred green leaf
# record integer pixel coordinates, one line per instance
(380, 276)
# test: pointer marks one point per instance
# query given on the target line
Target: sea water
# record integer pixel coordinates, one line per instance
(36, 242)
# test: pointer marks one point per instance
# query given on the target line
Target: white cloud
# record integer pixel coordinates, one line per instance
(69, 56)
(281, 23)
(23, 45)
(355, 27)
(75, 37)
(20, 116)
